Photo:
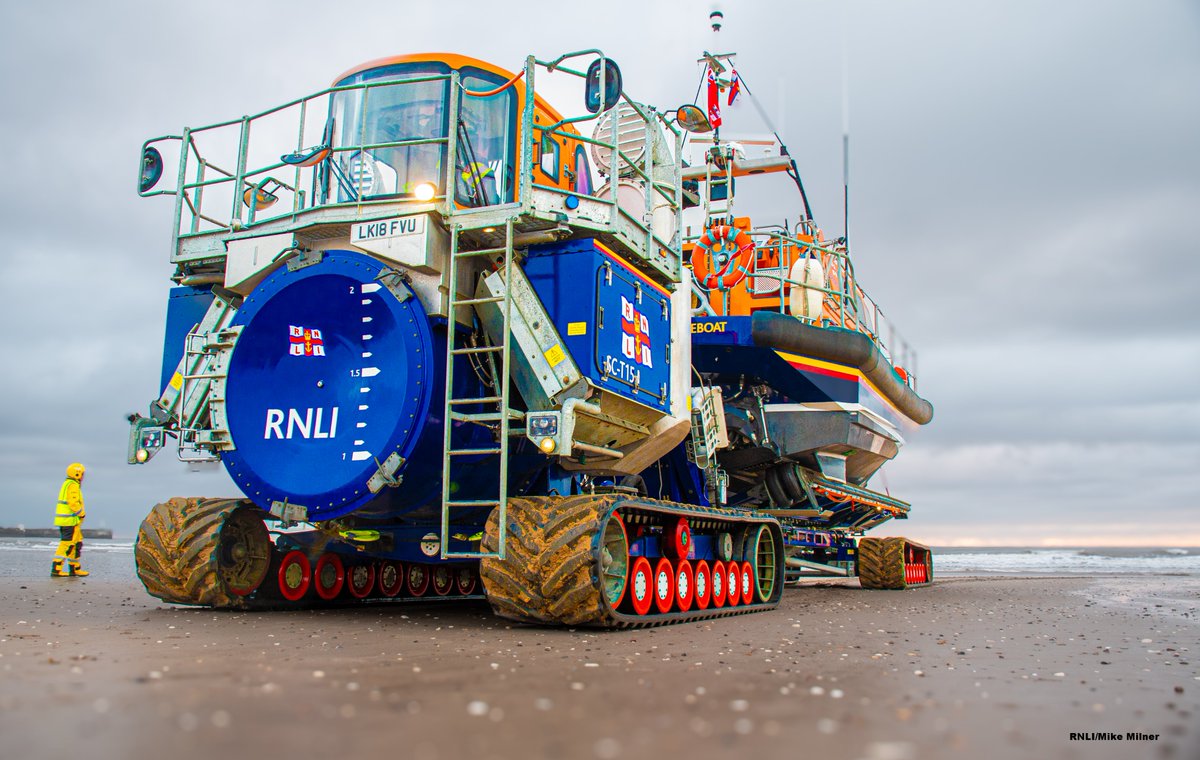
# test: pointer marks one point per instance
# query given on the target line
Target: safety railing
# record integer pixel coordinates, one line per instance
(656, 171)
(283, 161)
(289, 160)
(844, 303)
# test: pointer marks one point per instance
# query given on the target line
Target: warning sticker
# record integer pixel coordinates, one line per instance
(577, 328)
(555, 355)
(176, 381)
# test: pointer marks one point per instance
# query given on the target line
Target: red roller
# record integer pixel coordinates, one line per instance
(664, 585)
(329, 576)
(417, 579)
(443, 580)
(360, 580)
(641, 582)
(464, 579)
(677, 539)
(703, 585)
(685, 585)
(733, 583)
(749, 592)
(391, 578)
(720, 584)
(295, 575)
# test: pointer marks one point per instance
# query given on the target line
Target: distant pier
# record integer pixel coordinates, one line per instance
(52, 533)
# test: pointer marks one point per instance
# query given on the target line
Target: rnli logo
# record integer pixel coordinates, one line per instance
(635, 343)
(305, 341)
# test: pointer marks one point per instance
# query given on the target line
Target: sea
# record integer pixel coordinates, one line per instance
(112, 559)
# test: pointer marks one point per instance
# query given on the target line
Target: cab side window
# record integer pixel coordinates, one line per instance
(549, 163)
(583, 172)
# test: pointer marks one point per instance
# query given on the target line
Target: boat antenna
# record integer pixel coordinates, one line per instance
(793, 172)
(845, 138)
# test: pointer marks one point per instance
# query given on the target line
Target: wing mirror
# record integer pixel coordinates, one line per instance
(152, 169)
(692, 119)
(612, 85)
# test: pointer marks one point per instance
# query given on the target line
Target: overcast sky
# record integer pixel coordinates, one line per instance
(1025, 205)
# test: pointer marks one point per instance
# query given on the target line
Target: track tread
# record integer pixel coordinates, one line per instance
(550, 574)
(881, 563)
(176, 552)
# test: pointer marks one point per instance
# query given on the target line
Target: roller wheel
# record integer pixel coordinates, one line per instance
(747, 590)
(391, 578)
(664, 585)
(294, 575)
(417, 579)
(678, 539)
(720, 584)
(762, 555)
(733, 584)
(553, 560)
(360, 580)
(464, 580)
(641, 583)
(614, 560)
(881, 563)
(703, 585)
(211, 552)
(443, 579)
(685, 585)
(725, 546)
(329, 576)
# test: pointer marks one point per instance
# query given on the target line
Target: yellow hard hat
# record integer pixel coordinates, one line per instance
(75, 471)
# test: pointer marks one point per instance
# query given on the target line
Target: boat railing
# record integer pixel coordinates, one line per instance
(844, 303)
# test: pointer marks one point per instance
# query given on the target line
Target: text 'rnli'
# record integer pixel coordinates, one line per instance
(307, 423)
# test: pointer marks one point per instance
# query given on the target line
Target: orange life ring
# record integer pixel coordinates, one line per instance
(716, 242)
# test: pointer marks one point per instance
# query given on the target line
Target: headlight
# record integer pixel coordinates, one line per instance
(424, 191)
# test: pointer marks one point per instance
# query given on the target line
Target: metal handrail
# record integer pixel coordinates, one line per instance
(855, 309)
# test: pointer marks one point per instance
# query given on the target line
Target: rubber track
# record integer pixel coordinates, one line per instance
(881, 563)
(551, 575)
(176, 555)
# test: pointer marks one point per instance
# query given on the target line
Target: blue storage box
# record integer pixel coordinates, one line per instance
(615, 321)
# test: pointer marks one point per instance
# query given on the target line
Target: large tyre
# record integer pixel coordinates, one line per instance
(549, 573)
(212, 552)
(881, 563)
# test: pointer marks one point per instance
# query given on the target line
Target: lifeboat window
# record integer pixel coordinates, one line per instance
(484, 174)
(369, 124)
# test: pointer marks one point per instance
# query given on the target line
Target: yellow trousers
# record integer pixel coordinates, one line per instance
(70, 546)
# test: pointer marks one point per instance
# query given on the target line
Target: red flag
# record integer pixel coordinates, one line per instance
(714, 100)
(735, 86)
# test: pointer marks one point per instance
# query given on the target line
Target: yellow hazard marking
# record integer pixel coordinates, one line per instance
(577, 328)
(360, 535)
(555, 355)
(176, 381)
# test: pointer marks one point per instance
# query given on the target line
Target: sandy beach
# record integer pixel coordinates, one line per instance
(971, 667)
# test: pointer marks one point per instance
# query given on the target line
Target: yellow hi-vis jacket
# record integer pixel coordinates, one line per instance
(70, 504)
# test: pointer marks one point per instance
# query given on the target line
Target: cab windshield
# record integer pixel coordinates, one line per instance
(390, 138)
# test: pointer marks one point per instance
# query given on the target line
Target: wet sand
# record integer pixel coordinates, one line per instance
(972, 667)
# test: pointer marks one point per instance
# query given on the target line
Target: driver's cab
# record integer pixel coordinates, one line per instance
(390, 138)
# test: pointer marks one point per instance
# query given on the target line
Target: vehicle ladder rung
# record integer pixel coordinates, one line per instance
(472, 555)
(480, 252)
(476, 350)
(513, 416)
(464, 452)
(477, 301)
(474, 503)
(465, 401)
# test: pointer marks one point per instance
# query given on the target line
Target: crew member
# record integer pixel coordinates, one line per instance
(69, 518)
